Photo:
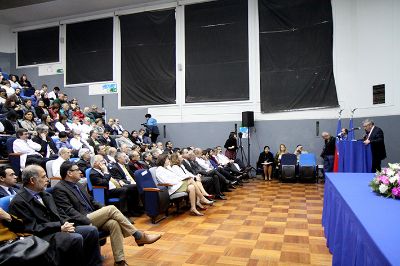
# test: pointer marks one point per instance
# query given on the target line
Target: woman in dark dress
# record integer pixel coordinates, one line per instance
(266, 161)
(231, 146)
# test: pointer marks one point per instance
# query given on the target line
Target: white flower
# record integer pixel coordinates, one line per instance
(390, 172)
(394, 166)
(383, 188)
(393, 179)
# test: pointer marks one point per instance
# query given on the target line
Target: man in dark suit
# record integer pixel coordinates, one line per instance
(36, 208)
(8, 181)
(100, 176)
(84, 161)
(328, 152)
(106, 140)
(374, 137)
(92, 140)
(73, 198)
(135, 163)
(211, 183)
(126, 178)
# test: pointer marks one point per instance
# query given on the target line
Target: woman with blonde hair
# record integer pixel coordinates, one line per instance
(278, 155)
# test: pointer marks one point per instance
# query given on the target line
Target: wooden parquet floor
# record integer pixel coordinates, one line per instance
(261, 223)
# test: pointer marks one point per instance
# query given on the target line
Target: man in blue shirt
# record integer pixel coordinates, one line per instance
(151, 128)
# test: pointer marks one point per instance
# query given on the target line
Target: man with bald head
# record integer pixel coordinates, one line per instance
(328, 152)
(73, 245)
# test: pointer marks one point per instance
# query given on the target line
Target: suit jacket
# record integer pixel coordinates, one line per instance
(67, 199)
(43, 143)
(119, 174)
(188, 167)
(112, 131)
(99, 180)
(136, 165)
(83, 165)
(377, 143)
(38, 219)
(111, 143)
(4, 193)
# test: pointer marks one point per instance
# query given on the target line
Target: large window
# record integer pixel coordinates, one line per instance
(216, 46)
(296, 55)
(39, 46)
(89, 51)
(148, 58)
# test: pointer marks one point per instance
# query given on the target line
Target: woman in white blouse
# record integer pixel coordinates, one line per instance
(165, 174)
(179, 169)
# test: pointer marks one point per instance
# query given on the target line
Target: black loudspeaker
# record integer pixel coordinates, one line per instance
(248, 119)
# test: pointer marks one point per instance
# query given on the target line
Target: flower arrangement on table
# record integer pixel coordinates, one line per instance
(387, 181)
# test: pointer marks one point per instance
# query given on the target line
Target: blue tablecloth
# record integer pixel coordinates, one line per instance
(361, 227)
(354, 157)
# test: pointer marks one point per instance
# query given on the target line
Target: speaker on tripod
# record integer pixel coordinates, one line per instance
(248, 121)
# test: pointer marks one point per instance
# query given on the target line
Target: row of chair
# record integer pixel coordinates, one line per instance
(305, 169)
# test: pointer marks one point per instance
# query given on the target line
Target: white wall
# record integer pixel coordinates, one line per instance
(7, 40)
(366, 52)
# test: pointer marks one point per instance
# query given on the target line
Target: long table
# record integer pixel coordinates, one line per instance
(361, 228)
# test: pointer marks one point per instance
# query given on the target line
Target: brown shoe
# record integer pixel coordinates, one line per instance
(121, 263)
(147, 239)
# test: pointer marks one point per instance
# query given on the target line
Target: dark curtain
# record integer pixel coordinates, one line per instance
(148, 58)
(38, 46)
(296, 55)
(89, 51)
(216, 46)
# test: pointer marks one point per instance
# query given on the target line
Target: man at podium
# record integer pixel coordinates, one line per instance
(374, 137)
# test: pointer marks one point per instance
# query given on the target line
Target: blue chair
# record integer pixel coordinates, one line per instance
(5, 202)
(99, 191)
(13, 157)
(307, 166)
(288, 167)
(155, 198)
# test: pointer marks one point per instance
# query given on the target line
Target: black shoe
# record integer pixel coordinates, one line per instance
(221, 197)
(228, 190)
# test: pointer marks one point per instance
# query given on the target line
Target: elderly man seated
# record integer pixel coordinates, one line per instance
(83, 210)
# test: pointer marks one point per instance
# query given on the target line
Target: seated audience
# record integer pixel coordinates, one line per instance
(63, 141)
(84, 160)
(62, 124)
(77, 142)
(48, 147)
(98, 125)
(41, 109)
(111, 152)
(8, 182)
(46, 120)
(299, 150)
(265, 162)
(110, 127)
(100, 176)
(106, 140)
(77, 113)
(124, 139)
(179, 169)
(80, 207)
(143, 138)
(148, 160)
(278, 155)
(28, 122)
(93, 138)
(86, 127)
(135, 163)
(168, 147)
(27, 106)
(167, 176)
(64, 154)
(29, 149)
(118, 127)
(76, 124)
(74, 245)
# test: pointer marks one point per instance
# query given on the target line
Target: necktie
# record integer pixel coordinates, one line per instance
(39, 198)
(128, 176)
(11, 190)
(83, 199)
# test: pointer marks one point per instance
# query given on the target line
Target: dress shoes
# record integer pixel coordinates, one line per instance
(120, 263)
(147, 239)
(221, 197)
